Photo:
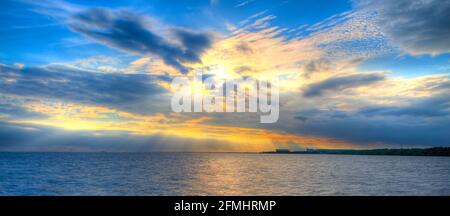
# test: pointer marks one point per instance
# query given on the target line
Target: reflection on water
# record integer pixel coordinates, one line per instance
(220, 174)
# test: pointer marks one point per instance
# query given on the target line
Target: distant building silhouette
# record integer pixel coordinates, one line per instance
(283, 151)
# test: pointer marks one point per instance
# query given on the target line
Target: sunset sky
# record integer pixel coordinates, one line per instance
(83, 76)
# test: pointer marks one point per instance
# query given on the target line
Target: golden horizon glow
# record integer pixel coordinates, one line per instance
(75, 117)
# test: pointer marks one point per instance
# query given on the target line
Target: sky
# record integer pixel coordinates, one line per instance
(96, 75)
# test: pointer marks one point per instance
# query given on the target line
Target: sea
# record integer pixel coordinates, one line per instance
(150, 174)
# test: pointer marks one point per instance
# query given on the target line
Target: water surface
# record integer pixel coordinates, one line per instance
(220, 174)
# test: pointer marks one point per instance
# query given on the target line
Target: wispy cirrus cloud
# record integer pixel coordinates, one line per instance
(244, 3)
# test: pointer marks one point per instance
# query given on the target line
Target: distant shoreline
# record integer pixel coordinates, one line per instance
(437, 151)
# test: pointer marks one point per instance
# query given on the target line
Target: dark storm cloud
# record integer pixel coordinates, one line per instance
(418, 27)
(71, 84)
(341, 83)
(131, 32)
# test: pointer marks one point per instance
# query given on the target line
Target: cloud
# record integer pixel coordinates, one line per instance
(66, 83)
(326, 54)
(435, 106)
(418, 27)
(414, 112)
(370, 131)
(11, 110)
(30, 137)
(148, 135)
(315, 66)
(131, 32)
(244, 3)
(341, 83)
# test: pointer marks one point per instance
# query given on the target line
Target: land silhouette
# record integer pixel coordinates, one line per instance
(436, 151)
